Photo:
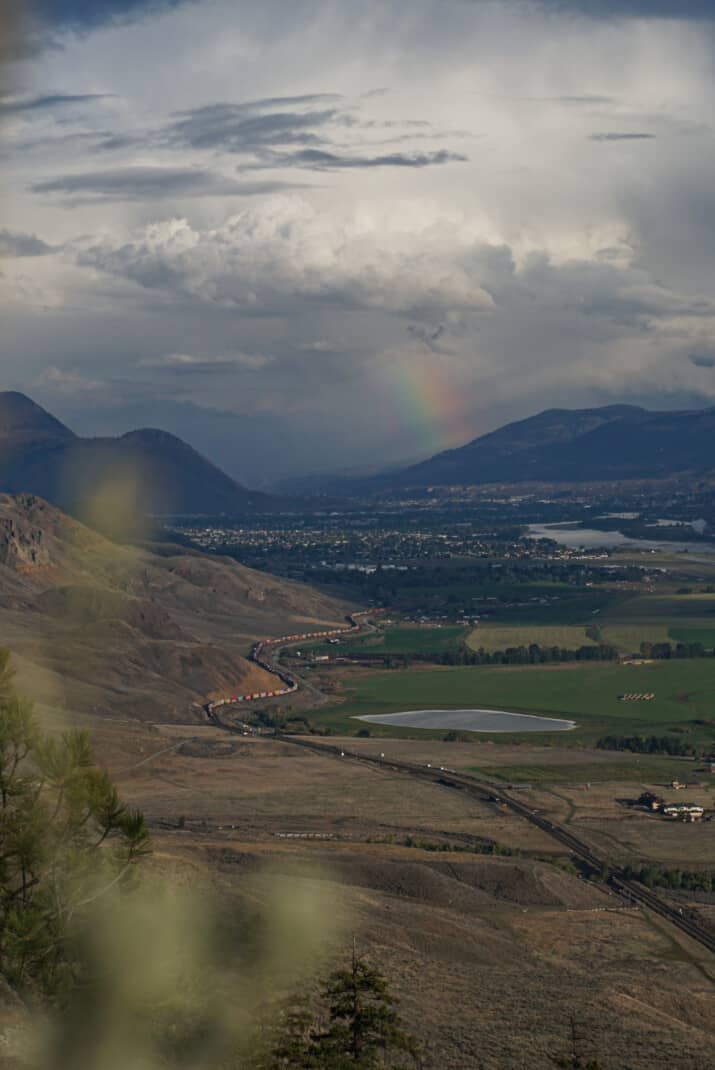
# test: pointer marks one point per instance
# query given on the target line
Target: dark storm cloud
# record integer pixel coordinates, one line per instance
(249, 127)
(666, 9)
(426, 333)
(47, 102)
(266, 129)
(16, 245)
(85, 14)
(318, 160)
(82, 14)
(626, 135)
(145, 183)
(702, 360)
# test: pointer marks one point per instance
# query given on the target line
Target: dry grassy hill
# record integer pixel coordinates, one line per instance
(145, 632)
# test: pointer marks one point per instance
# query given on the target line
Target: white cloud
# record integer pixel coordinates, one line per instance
(565, 261)
(188, 362)
(67, 382)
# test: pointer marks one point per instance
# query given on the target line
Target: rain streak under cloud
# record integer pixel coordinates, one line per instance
(329, 235)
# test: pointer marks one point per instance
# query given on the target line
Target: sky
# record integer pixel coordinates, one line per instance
(334, 236)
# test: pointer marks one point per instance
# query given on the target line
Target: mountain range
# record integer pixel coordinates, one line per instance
(152, 472)
(146, 471)
(614, 442)
(610, 443)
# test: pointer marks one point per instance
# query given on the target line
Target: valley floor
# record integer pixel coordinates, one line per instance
(491, 955)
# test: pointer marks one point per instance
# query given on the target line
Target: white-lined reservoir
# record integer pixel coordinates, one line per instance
(473, 720)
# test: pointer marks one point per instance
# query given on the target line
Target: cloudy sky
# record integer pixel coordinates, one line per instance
(325, 235)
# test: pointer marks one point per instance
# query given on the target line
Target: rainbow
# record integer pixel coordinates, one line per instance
(429, 399)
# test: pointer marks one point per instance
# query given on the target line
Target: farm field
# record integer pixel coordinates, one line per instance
(684, 693)
(664, 607)
(694, 634)
(638, 768)
(625, 636)
(623, 622)
(500, 636)
(573, 607)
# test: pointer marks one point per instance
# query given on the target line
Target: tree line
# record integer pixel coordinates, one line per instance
(648, 745)
(662, 877)
(533, 654)
(665, 650)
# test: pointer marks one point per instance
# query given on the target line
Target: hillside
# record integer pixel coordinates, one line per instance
(616, 442)
(141, 632)
(147, 469)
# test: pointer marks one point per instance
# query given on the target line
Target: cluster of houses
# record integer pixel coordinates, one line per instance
(675, 811)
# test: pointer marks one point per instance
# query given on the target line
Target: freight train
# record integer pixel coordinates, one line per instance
(290, 685)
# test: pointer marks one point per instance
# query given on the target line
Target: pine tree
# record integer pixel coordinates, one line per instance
(364, 1026)
(65, 841)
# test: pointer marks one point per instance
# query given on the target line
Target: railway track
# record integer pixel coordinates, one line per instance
(630, 890)
(484, 791)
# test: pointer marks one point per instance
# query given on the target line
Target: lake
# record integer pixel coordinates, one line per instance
(477, 720)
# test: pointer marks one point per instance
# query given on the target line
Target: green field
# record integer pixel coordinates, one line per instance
(694, 634)
(575, 607)
(501, 636)
(626, 637)
(664, 607)
(684, 690)
(624, 621)
(640, 768)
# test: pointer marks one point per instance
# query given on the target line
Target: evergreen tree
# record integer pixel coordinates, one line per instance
(364, 1026)
(361, 1027)
(65, 840)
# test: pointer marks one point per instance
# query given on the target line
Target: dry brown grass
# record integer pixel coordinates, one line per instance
(489, 955)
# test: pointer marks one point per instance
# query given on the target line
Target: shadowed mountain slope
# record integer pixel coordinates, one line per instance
(616, 442)
(149, 471)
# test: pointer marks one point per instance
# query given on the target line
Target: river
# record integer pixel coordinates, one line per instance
(574, 536)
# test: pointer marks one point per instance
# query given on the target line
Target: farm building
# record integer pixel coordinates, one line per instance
(684, 811)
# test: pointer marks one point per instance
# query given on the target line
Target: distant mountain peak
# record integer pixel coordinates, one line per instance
(153, 436)
(38, 454)
(23, 421)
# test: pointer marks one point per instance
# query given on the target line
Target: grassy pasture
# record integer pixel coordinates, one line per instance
(663, 607)
(499, 637)
(575, 607)
(639, 769)
(628, 637)
(694, 634)
(684, 690)
(624, 622)
(625, 637)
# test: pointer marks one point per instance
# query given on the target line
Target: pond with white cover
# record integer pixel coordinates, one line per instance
(477, 720)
